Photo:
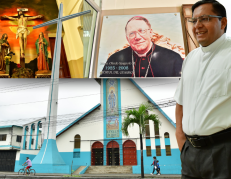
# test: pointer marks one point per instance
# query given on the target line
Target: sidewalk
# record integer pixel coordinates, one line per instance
(12, 175)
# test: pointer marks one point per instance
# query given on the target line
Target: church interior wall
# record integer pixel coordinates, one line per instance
(132, 4)
(72, 40)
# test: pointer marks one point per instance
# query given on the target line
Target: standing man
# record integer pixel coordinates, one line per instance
(4, 50)
(203, 96)
(22, 30)
(29, 164)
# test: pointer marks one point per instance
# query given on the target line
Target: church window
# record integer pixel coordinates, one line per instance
(167, 144)
(157, 140)
(77, 141)
(157, 134)
(168, 150)
(148, 151)
(3, 137)
(158, 151)
(147, 130)
(32, 141)
(148, 142)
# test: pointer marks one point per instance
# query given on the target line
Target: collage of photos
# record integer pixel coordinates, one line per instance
(115, 89)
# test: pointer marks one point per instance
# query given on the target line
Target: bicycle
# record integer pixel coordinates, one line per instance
(30, 171)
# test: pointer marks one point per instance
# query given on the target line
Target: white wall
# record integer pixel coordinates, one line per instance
(6, 131)
(9, 131)
(16, 131)
(90, 128)
(131, 95)
(165, 126)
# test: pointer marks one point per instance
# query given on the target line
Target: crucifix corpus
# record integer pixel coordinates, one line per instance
(22, 31)
(51, 119)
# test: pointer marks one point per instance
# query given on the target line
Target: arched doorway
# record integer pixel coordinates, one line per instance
(113, 155)
(97, 153)
(129, 153)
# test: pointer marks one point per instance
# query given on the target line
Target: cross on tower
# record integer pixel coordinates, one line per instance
(45, 156)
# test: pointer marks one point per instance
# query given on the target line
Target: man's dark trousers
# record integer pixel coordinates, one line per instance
(210, 162)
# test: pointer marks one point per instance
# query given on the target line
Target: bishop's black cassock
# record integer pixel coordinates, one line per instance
(164, 63)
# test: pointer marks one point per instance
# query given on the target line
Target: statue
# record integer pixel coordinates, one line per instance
(112, 101)
(4, 50)
(22, 31)
(41, 47)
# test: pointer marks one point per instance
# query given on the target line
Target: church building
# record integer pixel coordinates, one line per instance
(96, 139)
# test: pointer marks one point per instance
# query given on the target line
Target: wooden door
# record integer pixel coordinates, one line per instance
(129, 153)
(64, 71)
(97, 154)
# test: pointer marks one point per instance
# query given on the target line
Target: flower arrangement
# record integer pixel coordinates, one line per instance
(20, 72)
(7, 60)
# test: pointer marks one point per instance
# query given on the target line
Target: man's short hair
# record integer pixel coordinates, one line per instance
(138, 18)
(154, 157)
(27, 157)
(218, 8)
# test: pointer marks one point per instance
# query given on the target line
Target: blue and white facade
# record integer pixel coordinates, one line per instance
(96, 134)
(92, 130)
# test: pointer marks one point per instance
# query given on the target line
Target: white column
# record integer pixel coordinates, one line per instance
(23, 136)
(35, 135)
(28, 136)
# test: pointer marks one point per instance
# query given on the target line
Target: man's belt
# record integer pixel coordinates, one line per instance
(204, 141)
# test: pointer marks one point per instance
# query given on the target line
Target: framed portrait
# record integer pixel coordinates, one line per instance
(142, 45)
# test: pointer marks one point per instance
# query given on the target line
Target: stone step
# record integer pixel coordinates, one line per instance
(76, 172)
(109, 169)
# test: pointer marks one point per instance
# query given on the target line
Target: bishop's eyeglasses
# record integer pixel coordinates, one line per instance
(202, 19)
(140, 31)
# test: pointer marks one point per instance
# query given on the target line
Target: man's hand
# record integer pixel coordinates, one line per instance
(180, 137)
(39, 16)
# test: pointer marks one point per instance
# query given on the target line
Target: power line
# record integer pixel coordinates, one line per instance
(82, 95)
(31, 87)
(69, 118)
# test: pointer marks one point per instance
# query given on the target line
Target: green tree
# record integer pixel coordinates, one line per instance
(139, 117)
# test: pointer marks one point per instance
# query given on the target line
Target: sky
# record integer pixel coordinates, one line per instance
(24, 100)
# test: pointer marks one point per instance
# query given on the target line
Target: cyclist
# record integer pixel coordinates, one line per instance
(29, 164)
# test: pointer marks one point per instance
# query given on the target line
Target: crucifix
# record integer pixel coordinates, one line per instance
(22, 30)
(45, 156)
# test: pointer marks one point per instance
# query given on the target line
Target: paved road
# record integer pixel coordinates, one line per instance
(12, 175)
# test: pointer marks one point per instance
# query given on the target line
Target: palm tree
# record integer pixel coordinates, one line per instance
(139, 117)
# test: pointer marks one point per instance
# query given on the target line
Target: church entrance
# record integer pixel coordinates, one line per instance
(97, 154)
(129, 153)
(113, 156)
